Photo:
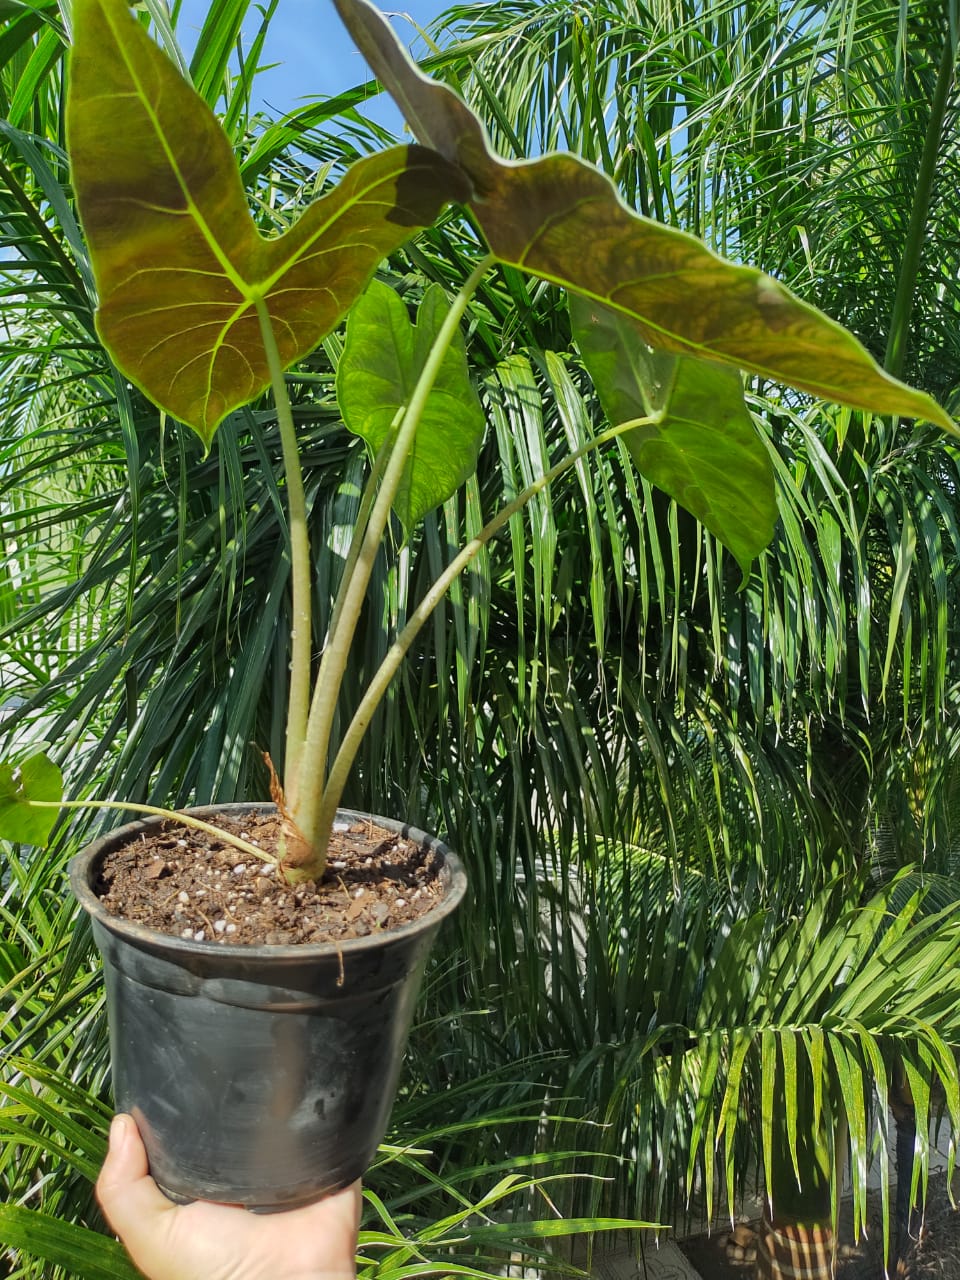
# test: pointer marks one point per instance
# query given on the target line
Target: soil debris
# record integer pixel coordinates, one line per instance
(190, 885)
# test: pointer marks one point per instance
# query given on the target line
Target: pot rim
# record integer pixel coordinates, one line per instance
(80, 866)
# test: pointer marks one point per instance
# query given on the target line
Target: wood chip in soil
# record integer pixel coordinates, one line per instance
(193, 886)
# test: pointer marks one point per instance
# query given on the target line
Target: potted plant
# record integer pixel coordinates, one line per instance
(251, 1064)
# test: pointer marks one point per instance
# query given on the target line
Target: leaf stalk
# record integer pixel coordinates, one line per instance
(179, 816)
(349, 746)
(301, 630)
(312, 815)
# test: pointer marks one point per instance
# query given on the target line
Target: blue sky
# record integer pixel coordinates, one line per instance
(314, 53)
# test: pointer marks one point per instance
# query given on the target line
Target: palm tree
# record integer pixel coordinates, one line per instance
(819, 141)
(132, 686)
(167, 692)
(601, 687)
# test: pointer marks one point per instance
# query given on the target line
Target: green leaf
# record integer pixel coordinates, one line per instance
(382, 359)
(84, 1253)
(36, 778)
(704, 449)
(562, 219)
(552, 1228)
(768, 1069)
(178, 260)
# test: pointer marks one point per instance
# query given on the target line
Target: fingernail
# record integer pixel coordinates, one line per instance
(118, 1131)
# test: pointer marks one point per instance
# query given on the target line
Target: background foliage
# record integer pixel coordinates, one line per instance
(685, 806)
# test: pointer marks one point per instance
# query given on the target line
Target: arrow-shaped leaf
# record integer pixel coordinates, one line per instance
(703, 449)
(178, 260)
(382, 359)
(36, 778)
(561, 219)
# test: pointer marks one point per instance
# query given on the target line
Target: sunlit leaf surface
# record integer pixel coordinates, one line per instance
(382, 360)
(36, 778)
(64, 1244)
(560, 218)
(703, 449)
(178, 260)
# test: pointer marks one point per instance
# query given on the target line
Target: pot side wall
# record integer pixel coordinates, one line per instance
(261, 1076)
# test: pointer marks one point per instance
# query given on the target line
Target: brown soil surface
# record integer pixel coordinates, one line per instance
(193, 886)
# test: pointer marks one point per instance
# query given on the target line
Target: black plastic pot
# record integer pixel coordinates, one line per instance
(261, 1076)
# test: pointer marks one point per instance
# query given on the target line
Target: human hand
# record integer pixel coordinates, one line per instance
(203, 1241)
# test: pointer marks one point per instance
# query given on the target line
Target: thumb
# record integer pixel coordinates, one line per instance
(128, 1195)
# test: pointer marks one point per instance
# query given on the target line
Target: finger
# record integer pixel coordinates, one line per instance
(336, 1218)
(128, 1195)
(343, 1206)
(355, 1192)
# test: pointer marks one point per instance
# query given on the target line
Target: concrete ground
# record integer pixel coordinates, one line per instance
(663, 1263)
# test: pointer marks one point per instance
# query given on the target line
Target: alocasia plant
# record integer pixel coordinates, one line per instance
(204, 314)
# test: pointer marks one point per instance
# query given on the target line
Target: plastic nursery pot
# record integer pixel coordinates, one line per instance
(261, 1076)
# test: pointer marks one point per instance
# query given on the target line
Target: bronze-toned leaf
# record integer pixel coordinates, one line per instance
(178, 261)
(561, 219)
